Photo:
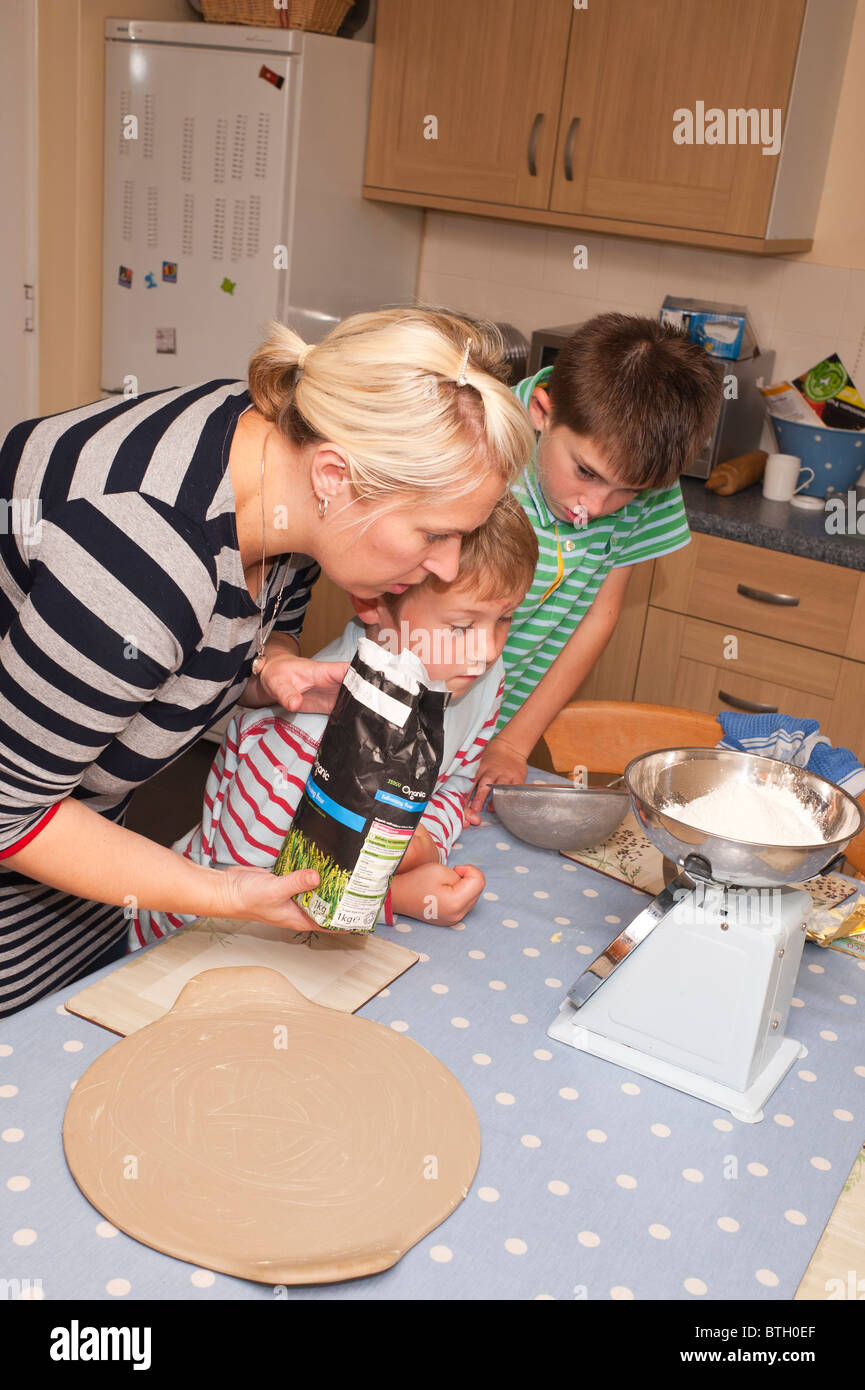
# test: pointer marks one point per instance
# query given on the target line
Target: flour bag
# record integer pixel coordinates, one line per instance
(374, 773)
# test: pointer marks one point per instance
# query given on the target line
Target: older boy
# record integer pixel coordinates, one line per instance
(624, 410)
(458, 630)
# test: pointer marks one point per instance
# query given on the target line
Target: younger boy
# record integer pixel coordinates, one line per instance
(627, 406)
(458, 630)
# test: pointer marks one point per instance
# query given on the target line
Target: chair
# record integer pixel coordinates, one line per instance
(603, 736)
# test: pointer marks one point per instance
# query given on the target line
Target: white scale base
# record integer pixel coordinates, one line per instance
(746, 1106)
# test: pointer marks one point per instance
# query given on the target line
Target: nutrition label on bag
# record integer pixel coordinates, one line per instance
(382, 850)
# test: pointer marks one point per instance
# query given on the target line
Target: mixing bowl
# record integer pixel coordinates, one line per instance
(565, 818)
(675, 776)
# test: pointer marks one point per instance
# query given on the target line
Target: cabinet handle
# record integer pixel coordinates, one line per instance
(533, 143)
(569, 149)
(763, 596)
(750, 706)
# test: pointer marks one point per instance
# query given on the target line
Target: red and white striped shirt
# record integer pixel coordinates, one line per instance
(261, 768)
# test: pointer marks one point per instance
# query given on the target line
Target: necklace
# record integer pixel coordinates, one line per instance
(260, 658)
(560, 568)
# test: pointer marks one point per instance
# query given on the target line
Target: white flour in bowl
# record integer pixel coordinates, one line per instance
(760, 814)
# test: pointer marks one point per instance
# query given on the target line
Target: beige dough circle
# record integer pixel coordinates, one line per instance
(252, 1132)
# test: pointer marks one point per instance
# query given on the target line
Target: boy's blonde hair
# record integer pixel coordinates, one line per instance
(383, 386)
(498, 559)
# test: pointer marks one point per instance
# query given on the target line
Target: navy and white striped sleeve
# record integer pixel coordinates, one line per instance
(103, 625)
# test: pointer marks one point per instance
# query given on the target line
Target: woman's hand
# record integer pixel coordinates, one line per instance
(260, 896)
(435, 893)
(499, 764)
(301, 685)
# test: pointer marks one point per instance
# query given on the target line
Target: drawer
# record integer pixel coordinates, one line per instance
(786, 597)
(759, 658)
(683, 664)
(700, 686)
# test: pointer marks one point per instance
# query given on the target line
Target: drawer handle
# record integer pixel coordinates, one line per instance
(569, 149)
(533, 144)
(750, 706)
(763, 596)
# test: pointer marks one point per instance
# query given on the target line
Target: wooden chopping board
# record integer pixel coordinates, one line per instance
(335, 969)
(255, 1133)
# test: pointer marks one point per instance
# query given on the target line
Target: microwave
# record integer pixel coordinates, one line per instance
(740, 421)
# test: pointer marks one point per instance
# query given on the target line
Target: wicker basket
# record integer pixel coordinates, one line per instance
(319, 16)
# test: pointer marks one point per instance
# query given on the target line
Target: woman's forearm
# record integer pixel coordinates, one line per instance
(254, 696)
(82, 853)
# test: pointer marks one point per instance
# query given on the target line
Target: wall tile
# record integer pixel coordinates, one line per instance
(629, 274)
(516, 254)
(461, 293)
(559, 273)
(853, 324)
(754, 281)
(812, 298)
(688, 271)
(796, 352)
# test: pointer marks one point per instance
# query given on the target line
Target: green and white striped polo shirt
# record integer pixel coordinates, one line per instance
(653, 523)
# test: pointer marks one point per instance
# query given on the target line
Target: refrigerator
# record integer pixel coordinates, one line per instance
(233, 171)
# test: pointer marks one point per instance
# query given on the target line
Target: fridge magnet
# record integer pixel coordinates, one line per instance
(169, 272)
(150, 280)
(166, 340)
(270, 76)
(124, 277)
(228, 285)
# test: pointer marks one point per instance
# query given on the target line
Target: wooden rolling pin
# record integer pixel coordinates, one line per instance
(738, 473)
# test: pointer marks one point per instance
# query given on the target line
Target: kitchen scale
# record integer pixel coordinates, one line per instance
(695, 992)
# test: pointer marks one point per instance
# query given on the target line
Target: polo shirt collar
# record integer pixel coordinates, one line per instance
(533, 488)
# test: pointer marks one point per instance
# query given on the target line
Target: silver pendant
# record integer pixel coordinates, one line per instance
(258, 664)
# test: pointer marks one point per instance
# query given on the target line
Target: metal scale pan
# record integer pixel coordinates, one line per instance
(703, 1004)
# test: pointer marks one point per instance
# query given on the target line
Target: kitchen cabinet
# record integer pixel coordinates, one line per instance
(733, 626)
(540, 111)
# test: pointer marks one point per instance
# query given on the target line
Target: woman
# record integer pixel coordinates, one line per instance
(141, 607)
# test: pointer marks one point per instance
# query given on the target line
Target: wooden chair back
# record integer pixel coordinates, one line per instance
(604, 735)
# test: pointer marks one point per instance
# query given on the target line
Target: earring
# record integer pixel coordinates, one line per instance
(323, 503)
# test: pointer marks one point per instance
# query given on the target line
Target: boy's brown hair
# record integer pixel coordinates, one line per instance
(641, 391)
(500, 557)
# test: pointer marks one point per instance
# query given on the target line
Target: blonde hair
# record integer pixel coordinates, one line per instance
(498, 559)
(384, 387)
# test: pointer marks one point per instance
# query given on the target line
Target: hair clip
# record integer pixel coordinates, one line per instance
(461, 379)
(303, 354)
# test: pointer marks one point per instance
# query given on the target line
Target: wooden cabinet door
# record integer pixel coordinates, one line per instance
(490, 74)
(630, 67)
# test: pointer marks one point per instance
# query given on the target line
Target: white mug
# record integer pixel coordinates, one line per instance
(780, 480)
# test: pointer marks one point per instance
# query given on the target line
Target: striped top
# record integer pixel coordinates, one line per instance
(653, 523)
(127, 630)
(260, 771)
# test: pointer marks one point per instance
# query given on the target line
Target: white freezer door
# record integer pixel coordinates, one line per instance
(196, 192)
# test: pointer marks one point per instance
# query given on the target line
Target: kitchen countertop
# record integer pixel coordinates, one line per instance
(748, 517)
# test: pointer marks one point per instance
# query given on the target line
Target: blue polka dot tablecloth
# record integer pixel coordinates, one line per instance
(593, 1183)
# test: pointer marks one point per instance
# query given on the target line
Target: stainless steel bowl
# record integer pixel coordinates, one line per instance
(679, 775)
(566, 818)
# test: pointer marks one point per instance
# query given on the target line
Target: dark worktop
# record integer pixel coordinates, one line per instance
(748, 517)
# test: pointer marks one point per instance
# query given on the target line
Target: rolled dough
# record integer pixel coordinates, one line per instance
(253, 1132)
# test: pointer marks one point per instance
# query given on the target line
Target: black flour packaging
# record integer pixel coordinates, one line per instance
(374, 773)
